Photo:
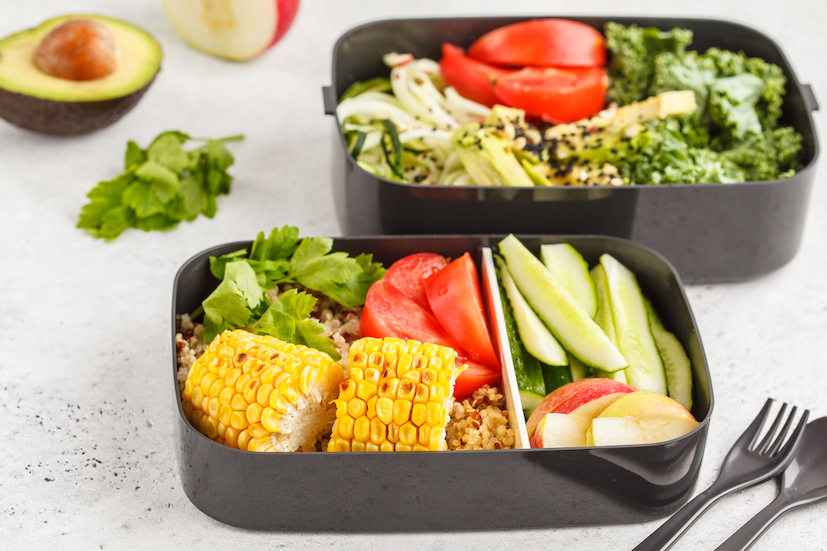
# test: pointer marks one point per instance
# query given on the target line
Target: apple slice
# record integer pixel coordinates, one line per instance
(647, 429)
(641, 417)
(588, 397)
(561, 430)
(233, 30)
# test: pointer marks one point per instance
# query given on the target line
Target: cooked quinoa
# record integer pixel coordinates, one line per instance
(480, 422)
(477, 423)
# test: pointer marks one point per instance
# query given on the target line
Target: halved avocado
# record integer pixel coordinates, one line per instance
(35, 100)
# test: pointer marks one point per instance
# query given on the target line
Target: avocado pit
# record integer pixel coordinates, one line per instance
(80, 49)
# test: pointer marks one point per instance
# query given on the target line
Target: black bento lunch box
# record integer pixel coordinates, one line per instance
(709, 232)
(452, 490)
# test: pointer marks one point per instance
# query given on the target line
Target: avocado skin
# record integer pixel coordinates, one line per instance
(65, 118)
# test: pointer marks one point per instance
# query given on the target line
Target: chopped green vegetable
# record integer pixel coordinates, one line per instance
(160, 187)
(241, 300)
(733, 134)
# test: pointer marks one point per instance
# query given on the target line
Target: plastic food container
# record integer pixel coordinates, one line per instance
(709, 232)
(451, 490)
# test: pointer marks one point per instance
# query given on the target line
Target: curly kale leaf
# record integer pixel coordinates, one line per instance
(633, 51)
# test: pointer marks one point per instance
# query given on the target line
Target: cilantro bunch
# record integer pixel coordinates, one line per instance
(241, 300)
(160, 186)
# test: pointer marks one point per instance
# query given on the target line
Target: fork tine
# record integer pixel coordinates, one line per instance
(765, 443)
(776, 445)
(747, 438)
(795, 438)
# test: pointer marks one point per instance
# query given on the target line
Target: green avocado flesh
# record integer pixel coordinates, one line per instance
(139, 59)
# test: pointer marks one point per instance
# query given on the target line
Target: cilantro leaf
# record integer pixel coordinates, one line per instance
(134, 157)
(313, 267)
(159, 187)
(281, 244)
(168, 151)
(309, 333)
(233, 301)
(143, 199)
(103, 198)
(354, 291)
(217, 264)
(276, 323)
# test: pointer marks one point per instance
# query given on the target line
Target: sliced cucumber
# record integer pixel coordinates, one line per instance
(676, 363)
(604, 318)
(634, 338)
(566, 319)
(556, 376)
(572, 271)
(527, 368)
(578, 369)
(536, 337)
(529, 401)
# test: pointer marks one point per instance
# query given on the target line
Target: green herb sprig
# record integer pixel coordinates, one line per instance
(161, 186)
(240, 300)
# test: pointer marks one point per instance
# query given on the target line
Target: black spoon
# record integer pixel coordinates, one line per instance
(803, 482)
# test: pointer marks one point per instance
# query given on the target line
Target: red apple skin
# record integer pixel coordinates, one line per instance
(569, 397)
(646, 402)
(286, 10)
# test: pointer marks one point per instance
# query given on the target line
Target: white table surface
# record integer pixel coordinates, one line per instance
(87, 458)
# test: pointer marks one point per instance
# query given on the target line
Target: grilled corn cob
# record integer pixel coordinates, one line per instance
(257, 393)
(397, 396)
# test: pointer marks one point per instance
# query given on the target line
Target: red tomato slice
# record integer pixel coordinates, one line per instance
(472, 79)
(542, 43)
(456, 301)
(389, 313)
(555, 95)
(410, 273)
(472, 377)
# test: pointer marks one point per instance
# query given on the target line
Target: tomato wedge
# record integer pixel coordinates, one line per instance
(473, 377)
(410, 273)
(456, 301)
(555, 95)
(389, 313)
(542, 43)
(472, 79)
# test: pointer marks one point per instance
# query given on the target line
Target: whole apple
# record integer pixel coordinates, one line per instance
(233, 30)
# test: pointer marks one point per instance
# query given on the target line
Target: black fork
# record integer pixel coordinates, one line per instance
(747, 463)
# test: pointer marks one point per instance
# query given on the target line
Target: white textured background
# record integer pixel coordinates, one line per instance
(87, 458)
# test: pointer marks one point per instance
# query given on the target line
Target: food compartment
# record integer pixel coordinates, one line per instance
(443, 490)
(700, 228)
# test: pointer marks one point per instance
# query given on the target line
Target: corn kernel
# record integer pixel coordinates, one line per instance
(238, 403)
(254, 412)
(357, 407)
(406, 390)
(401, 411)
(238, 420)
(361, 429)
(357, 446)
(365, 389)
(388, 388)
(419, 414)
(263, 395)
(393, 432)
(378, 431)
(270, 419)
(345, 426)
(371, 413)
